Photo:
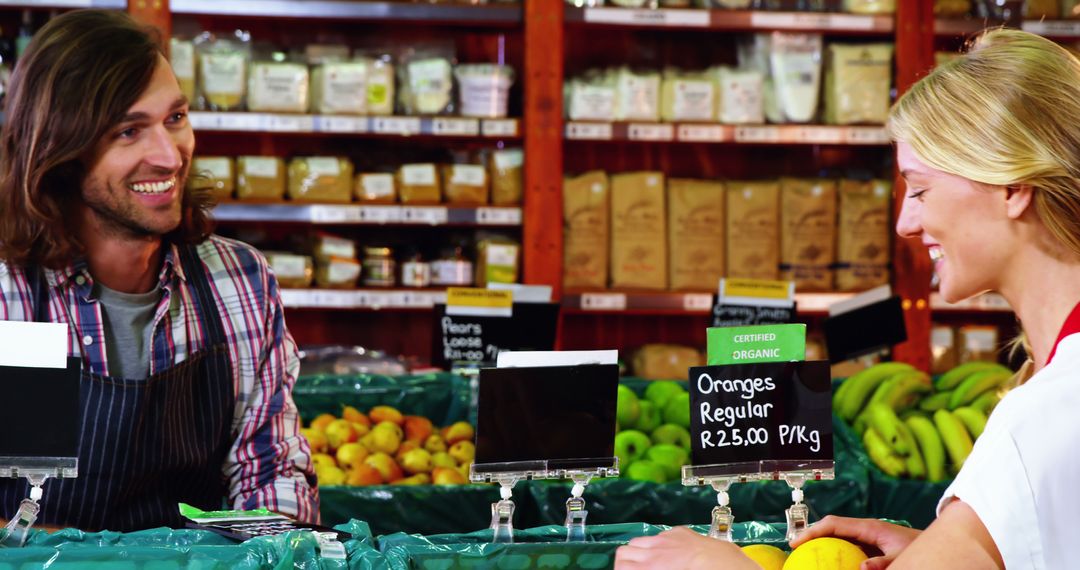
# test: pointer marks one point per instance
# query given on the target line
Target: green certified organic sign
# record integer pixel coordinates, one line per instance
(767, 343)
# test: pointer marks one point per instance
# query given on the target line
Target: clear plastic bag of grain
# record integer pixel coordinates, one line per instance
(337, 273)
(292, 271)
(320, 179)
(340, 88)
(222, 63)
(375, 188)
(419, 184)
(325, 246)
(864, 240)
(465, 184)
(182, 59)
(808, 233)
(278, 87)
(506, 176)
(215, 172)
(260, 178)
(753, 229)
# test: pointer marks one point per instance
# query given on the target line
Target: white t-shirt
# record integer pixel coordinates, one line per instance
(1023, 477)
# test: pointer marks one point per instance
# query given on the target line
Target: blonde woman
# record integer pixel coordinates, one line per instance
(989, 145)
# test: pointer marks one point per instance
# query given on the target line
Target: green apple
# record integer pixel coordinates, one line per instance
(659, 392)
(645, 470)
(673, 434)
(630, 446)
(650, 417)
(670, 458)
(627, 408)
(677, 410)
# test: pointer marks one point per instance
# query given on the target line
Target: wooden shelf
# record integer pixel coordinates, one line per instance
(732, 20)
(361, 299)
(491, 15)
(344, 214)
(448, 127)
(723, 134)
(675, 303)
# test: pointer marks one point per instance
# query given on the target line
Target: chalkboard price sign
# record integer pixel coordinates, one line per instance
(764, 411)
(469, 338)
(731, 315)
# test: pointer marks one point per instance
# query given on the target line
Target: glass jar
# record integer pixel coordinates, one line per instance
(452, 270)
(415, 272)
(379, 267)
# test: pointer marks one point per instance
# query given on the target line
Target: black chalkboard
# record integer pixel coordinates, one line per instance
(865, 330)
(463, 338)
(765, 411)
(41, 410)
(727, 315)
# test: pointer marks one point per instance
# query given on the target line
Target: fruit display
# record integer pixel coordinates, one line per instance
(826, 553)
(917, 427)
(385, 446)
(653, 442)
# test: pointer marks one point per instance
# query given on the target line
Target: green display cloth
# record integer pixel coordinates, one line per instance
(443, 398)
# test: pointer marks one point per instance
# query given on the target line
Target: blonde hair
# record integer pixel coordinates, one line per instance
(1006, 113)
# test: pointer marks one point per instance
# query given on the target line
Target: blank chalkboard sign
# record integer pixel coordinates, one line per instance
(41, 410)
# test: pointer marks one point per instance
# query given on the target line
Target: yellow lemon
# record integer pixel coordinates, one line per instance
(768, 557)
(825, 554)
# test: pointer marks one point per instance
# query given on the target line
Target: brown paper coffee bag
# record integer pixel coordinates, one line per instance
(753, 230)
(865, 230)
(696, 233)
(808, 233)
(586, 230)
(638, 231)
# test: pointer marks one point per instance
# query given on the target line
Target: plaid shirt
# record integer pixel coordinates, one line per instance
(269, 463)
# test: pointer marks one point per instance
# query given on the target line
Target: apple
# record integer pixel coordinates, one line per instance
(630, 446)
(416, 461)
(670, 458)
(320, 422)
(627, 408)
(650, 417)
(418, 428)
(413, 480)
(363, 475)
(316, 439)
(386, 466)
(351, 454)
(463, 451)
(362, 429)
(677, 410)
(659, 392)
(447, 476)
(435, 443)
(406, 446)
(459, 431)
(671, 433)
(355, 416)
(645, 470)
(443, 459)
(386, 437)
(465, 469)
(322, 460)
(330, 476)
(380, 414)
(340, 432)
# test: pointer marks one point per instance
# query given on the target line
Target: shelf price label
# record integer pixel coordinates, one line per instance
(867, 135)
(1054, 28)
(434, 215)
(697, 302)
(701, 133)
(380, 214)
(812, 21)
(455, 127)
(289, 123)
(820, 135)
(329, 214)
(757, 134)
(499, 127)
(603, 301)
(623, 16)
(342, 124)
(207, 121)
(241, 121)
(498, 216)
(589, 131)
(650, 132)
(404, 126)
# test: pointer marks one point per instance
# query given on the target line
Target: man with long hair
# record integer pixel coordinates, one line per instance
(187, 367)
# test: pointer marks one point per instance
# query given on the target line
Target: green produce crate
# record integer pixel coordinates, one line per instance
(441, 397)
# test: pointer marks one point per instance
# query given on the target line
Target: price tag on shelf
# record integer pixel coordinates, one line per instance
(498, 216)
(867, 135)
(421, 299)
(455, 127)
(992, 302)
(404, 126)
(603, 301)
(289, 123)
(207, 121)
(434, 215)
(821, 135)
(650, 132)
(698, 302)
(499, 127)
(676, 18)
(757, 134)
(380, 214)
(341, 124)
(1054, 28)
(385, 300)
(242, 121)
(589, 131)
(329, 214)
(701, 133)
(812, 21)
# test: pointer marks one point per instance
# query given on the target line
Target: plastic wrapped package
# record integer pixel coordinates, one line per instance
(665, 361)
(870, 6)
(858, 83)
(419, 183)
(586, 230)
(497, 261)
(808, 233)
(324, 246)
(182, 59)
(465, 184)
(380, 85)
(591, 100)
(320, 179)
(222, 70)
(637, 96)
(292, 271)
(948, 8)
(741, 96)
(278, 87)
(320, 54)
(341, 360)
(340, 88)
(375, 187)
(484, 89)
(426, 82)
(639, 255)
(753, 53)
(217, 171)
(506, 176)
(688, 97)
(753, 229)
(795, 63)
(1042, 9)
(337, 273)
(863, 242)
(260, 178)
(695, 234)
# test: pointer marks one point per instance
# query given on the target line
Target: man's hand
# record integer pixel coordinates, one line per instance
(684, 549)
(889, 539)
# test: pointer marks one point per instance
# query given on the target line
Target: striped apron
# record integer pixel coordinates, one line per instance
(147, 444)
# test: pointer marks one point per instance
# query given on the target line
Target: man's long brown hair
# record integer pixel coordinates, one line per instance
(78, 78)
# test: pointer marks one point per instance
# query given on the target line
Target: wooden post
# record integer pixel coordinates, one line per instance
(155, 13)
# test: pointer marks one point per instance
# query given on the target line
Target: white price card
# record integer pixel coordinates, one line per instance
(629, 17)
(867, 135)
(498, 216)
(242, 121)
(289, 123)
(650, 132)
(420, 299)
(1054, 28)
(603, 301)
(435, 215)
(697, 302)
(455, 127)
(499, 127)
(328, 214)
(404, 126)
(820, 135)
(342, 124)
(380, 214)
(589, 131)
(207, 121)
(811, 21)
(34, 345)
(757, 134)
(701, 133)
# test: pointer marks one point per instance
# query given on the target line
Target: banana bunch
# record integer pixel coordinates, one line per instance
(917, 427)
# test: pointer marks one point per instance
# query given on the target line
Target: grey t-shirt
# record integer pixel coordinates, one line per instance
(128, 320)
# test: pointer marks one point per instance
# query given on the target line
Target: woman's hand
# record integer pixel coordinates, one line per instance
(684, 549)
(889, 539)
